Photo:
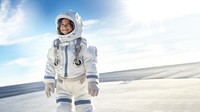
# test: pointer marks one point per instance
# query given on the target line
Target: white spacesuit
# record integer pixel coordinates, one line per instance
(74, 64)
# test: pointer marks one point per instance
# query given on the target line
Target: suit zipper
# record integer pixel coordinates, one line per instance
(66, 62)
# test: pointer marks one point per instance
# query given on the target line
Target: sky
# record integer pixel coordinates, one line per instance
(129, 34)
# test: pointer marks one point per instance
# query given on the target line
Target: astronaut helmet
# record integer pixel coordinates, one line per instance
(75, 21)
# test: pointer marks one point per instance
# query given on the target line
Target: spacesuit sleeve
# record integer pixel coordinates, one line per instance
(49, 76)
(91, 64)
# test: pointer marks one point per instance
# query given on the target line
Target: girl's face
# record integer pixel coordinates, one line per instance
(65, 26)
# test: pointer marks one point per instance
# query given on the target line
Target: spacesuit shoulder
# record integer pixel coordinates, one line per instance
(56, 42)
(84, 41)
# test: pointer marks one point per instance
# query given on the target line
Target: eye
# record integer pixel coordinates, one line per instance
(66, 25)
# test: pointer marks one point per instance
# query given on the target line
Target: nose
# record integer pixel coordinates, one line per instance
(65, 28)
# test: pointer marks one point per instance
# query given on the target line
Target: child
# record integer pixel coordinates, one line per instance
(75, 65)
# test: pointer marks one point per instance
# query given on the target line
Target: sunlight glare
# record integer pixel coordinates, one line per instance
(158, 10)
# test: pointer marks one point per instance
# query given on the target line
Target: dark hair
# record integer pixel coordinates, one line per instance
(59, 24)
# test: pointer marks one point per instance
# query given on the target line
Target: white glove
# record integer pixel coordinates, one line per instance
(93, 89)
(49, 88)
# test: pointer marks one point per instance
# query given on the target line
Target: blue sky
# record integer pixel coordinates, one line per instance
(129, 34)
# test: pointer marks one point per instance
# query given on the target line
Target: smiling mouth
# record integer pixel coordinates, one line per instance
(66, 31)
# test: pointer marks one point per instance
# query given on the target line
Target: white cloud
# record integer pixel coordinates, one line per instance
(30, 63)
(88, 23)
(18, 62)
(147, 33)
(32, 53)
(33, 48)
(38, 46)
(11, 22)
(158, 10)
